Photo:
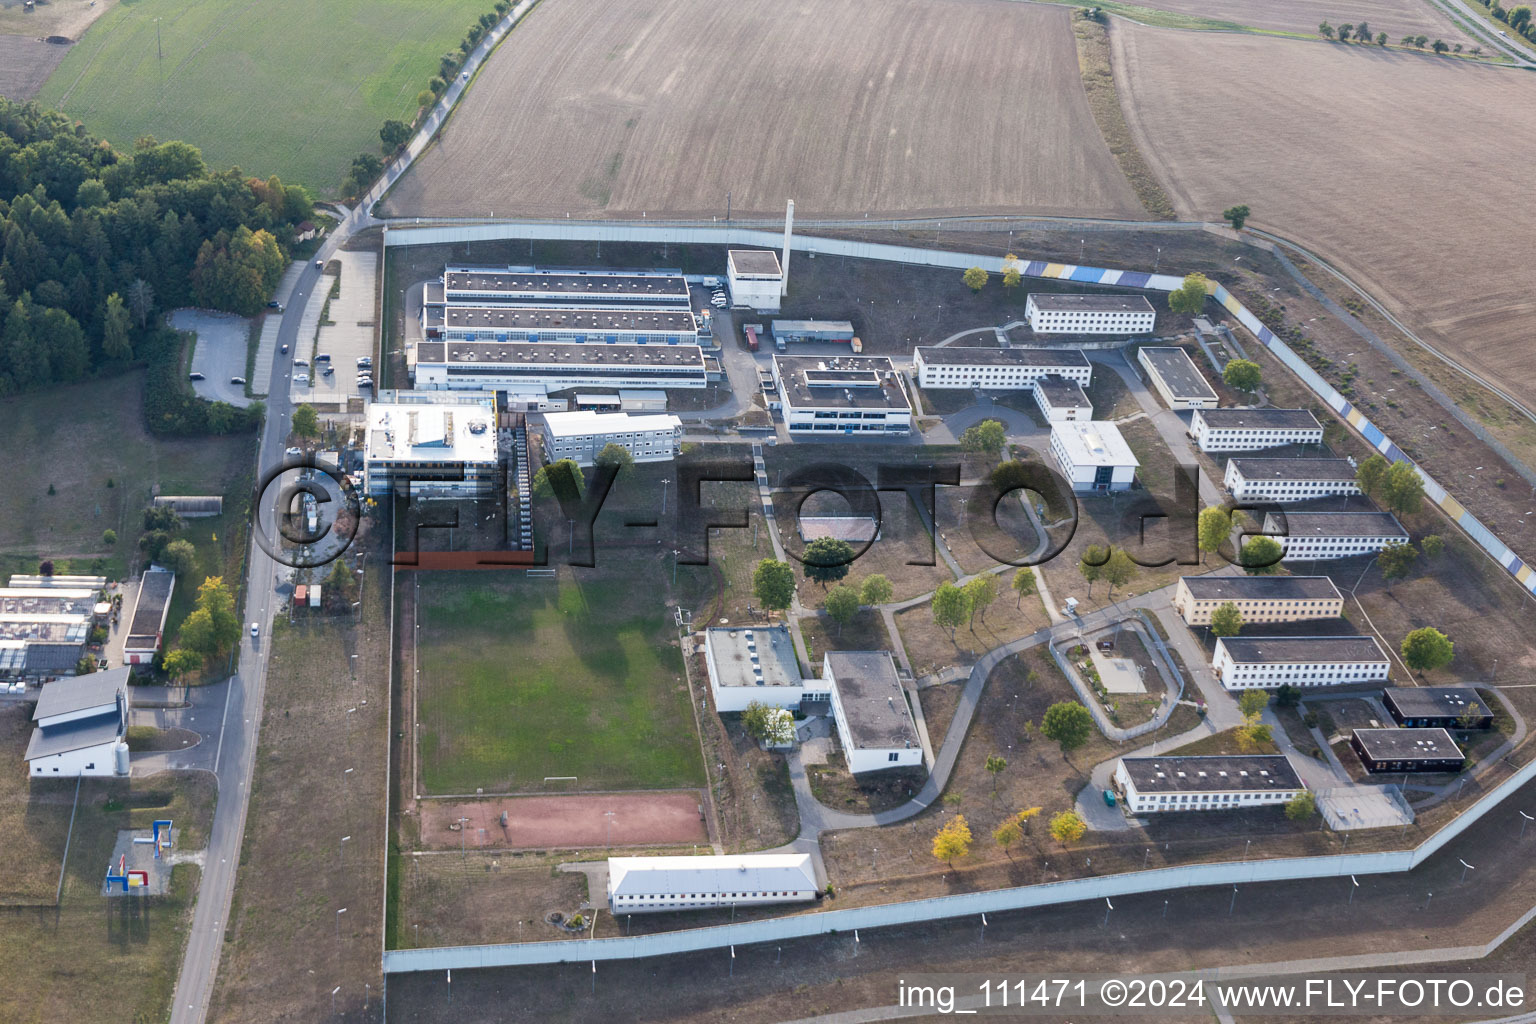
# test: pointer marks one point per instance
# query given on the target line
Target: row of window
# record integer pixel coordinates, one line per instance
(705, 896)
(1288, 490)
(1214, 798)
(1246, 603)
(848, 415)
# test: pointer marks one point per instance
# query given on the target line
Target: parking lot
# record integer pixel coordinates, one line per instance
(219, 353)
(348, 336)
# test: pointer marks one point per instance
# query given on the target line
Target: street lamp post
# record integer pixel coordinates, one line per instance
(1352, 887)
(341, 855)
(1525, 819)
(1233, 905)
(1465, 867)
(343, 910)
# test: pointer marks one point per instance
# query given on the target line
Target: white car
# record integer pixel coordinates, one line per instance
(301, 378)
(255, 630)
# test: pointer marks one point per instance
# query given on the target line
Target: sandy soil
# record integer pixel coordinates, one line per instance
(548, 822)
(1425, 227)
(902, 106)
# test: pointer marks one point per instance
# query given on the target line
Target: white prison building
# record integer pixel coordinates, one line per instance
(1319, 536)
(953, 367)
(870, 711)
(1260, 599)
(1176, 377)
(434, 444)
(1243, 663)
(1093, 456)
(1286, 480)
(582, 435)
(1049, 313)
(1060, 400)
(857, 395)
(756, 663)
(1249, 430)
(1158, 784)
(639, 885)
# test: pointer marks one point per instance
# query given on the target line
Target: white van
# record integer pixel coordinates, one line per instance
(711, 282)
(301, 378)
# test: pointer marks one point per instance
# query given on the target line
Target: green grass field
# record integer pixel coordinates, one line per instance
(526, 678)
(284, 87)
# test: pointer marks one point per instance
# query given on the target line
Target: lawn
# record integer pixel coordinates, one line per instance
(526, 678)
(284, 87)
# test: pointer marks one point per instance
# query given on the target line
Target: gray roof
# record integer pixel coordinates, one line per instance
(1063, 393)
(1260, 588)
(1211, 774)
(754, 261)
(1258, 419)
(874, 707)
(1336, 524)
(1332, 470)
(44, 657)
(983, 356)
(844, 382)
(76, 735)
(753, 656)
(1178, 372)
(571, 318)
(566, 282)
(677, 876)
(77, 693)
(543, 354)
(1408, 744)
(1435, 701)
(1278, 650)
(150, 608)
(854, 529)
(1091, 303)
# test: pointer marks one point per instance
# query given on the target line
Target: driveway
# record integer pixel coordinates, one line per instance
(221, 347)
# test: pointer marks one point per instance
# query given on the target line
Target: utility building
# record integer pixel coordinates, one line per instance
(638, 885)
(1245, 663)
(1154, 784)
(1176, 377)
(146, 628)
(79, 724)
(755, 278)
(1051, 313)
(581, 435)
(952, 367)
(1093, 456)
(756, 663)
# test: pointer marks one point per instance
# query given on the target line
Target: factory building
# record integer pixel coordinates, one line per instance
(564, 324)
(531, 286)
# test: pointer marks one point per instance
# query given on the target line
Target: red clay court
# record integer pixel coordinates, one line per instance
(547, 822)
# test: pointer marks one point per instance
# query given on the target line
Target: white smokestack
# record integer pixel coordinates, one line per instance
(789, 234)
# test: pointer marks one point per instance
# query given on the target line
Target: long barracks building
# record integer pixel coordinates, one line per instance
(539, 368)
(529, 286)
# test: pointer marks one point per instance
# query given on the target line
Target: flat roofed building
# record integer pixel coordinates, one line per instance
(1283, 480)
(1062, 400)
(1260, 599)
(1244, 662)
(581, 435)
(791, 331)
(1437, 707)
(192, 506)
(534, 368)
(146, 627)
(78, 723)
(22, 579)
(853, 529)
(638, 885)
(577, 325)
(756, 663)
(1093, 456)
(1249, 430)
(1051, 313)
(954, 367)
(755, 278)
(532, 285)
(432, 444)
(1153, 784)
(870, 710)
(1318, 536)
(1407, 750)
(1176, 377)
(842, 395)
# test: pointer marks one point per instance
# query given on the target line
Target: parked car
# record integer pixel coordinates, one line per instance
(365, 382)
(301, 378)
(323, 357)
(299, 361)
(194, 375)
(365, 360)
(328, 371)
(274, 304)
(319, 264)
(237, 380)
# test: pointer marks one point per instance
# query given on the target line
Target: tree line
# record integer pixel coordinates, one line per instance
(1361, 33)
(95, 241)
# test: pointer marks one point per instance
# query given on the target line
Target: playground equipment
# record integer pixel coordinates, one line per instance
(119, 875)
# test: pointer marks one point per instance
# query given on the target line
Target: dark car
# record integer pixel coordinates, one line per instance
(237, 380)
(285, 350)
(194, 375)
(274, 304)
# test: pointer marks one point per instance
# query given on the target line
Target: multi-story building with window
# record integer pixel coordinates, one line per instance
(433, 444)
(870, 710)
(532, 286)
(535, 368)
(943, 367)
(1260, 599)
(1243, 663)
(1061, 400)
(581, 435)
(1093, 456)
(1318, 536)
(1050, 313)
(1250, 430)
(638, 885)
(1156, 784)
(1176, 377)
(1287, 480)
(860, 395)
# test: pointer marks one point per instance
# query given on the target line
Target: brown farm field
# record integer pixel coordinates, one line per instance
(903, 106)
(1326, 144)
(25, 64)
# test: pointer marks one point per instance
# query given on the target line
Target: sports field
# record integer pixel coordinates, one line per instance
(282, 87)
(904, 106)
(1327, 145)
(526, 678)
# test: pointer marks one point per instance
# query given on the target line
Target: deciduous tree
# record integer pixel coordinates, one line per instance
(1252, 704)
(827, 559)
(950, 607)
(394, 134)
(179, 556)
(1118, 571)
(1023, 585)
(875, 589)
(1261, 556)
(1092, 563)
(1067, 827)
(1243, 374)
(980, 591)
(562, 479)
(615, 454)
(115, 325)
(305, 423)
(1068, 723)
(1007, 834)
(841, 605)
(1402, 490)
(996, 764)
(952, 840)
(773, 584)
(1301, 806)
(1011, 272)
(1237, 216)
(1396, 561)
(975, 279)
(986, 437)
(1213, 528)
(1427, 649)
(1190, 296)
(1226, 620)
